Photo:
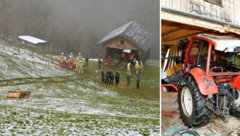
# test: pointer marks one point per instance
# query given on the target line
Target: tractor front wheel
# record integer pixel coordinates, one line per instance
(192, 104)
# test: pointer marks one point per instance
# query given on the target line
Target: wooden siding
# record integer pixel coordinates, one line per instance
(228, 12)
(115, 43)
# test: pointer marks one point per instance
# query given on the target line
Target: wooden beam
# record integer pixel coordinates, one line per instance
(171, 31)
(184, 36)
(181, 34)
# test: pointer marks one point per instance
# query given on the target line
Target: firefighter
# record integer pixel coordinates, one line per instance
(141, 67)
(81, 67)
(77, 64)
(129, 68)
(84, 64)
(62, 58)
(137, 67)
(71, 57)
(70, 61)
(79, 57)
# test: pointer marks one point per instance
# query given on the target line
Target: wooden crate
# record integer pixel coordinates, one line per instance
(18, 94)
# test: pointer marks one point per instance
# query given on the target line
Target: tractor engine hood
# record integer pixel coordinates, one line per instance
(236, 82)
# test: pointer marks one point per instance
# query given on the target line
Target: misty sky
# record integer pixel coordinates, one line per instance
(85, 18)
(103, 16)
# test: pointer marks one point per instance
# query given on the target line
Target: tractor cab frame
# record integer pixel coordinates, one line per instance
(209, 80)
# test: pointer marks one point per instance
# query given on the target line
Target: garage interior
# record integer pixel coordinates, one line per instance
(172, 31)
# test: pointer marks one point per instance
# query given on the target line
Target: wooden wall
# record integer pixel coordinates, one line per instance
(228, 12)
(115, 43)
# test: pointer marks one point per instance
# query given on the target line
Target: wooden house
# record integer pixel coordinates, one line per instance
(131, 39)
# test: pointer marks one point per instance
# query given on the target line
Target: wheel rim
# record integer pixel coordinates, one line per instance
(237, 98)
(187, 101)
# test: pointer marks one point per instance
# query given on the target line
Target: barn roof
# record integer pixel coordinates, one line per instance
(134, 32)
(31, 39)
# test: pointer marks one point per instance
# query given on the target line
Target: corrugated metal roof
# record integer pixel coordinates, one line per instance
(31, 39)
(134, 32)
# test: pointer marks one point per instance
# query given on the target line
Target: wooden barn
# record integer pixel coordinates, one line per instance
(129, 42)
(33, 42)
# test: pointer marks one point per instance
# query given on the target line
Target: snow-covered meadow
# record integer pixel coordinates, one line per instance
(77, 107)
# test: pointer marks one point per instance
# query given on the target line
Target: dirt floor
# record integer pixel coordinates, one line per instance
(172, 123)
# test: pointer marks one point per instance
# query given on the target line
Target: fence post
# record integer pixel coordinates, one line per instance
(32, 54)
(18, 51)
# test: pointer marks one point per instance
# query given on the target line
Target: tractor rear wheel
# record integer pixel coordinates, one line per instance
(235, 111)
(192, 104)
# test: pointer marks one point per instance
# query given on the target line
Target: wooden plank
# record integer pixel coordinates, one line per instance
(170, 31)
(18, 94)
(13, 94)
(166, 60)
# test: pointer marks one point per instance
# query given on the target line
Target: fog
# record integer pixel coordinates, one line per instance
(77, 25)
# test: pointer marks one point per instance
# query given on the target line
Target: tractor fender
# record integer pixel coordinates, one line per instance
(235, 82)
(205, 83)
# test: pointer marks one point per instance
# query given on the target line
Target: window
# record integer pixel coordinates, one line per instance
(198, 53)
(216, 2)
(121, 42)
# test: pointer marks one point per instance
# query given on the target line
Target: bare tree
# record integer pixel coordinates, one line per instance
(5, 18)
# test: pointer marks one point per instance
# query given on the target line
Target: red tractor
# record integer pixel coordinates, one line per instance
(69, 64)
(62, 64)
(209, 80)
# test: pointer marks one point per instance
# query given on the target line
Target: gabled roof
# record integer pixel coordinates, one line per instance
(134, 32)
(31, 39)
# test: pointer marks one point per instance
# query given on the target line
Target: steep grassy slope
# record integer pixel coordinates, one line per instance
(63, 102)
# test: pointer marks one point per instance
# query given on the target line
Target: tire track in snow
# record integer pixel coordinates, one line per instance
(31, 80)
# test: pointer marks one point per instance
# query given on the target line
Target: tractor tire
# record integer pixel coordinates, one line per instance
(235, 111)
(191, 103)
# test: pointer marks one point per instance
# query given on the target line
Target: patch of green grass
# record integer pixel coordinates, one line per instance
(39, 96)
(41, 117)
(149, 82)
(14, 113)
